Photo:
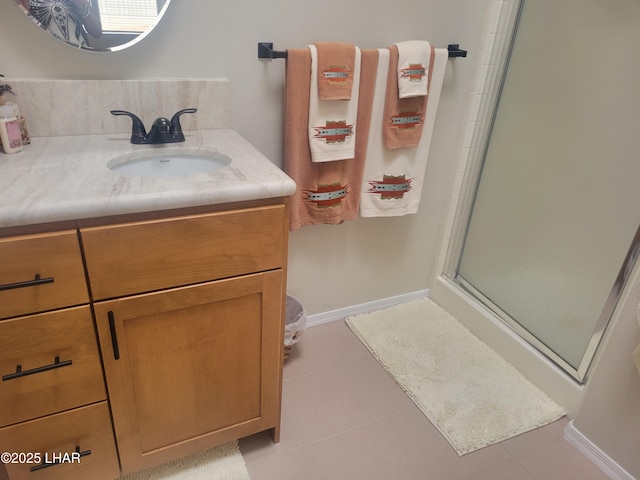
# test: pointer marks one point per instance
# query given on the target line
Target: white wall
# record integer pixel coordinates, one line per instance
(610, 412)
(330, 266)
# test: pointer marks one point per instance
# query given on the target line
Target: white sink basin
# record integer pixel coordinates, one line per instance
(168, 162)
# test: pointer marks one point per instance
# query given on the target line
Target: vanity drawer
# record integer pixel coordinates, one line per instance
(59, 365)
(145, 256)
(87, 429)
(41, 272)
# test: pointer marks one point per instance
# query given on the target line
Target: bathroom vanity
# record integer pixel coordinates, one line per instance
(141, 319)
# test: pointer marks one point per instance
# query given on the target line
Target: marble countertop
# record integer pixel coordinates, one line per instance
(66, 178)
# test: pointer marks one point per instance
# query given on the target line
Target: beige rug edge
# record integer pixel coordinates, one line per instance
(536, 408)
(224, 462)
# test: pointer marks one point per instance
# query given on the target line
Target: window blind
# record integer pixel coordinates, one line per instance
(127, 15)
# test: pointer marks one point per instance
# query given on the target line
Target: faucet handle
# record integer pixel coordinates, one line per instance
(176, 129)
(138, 132)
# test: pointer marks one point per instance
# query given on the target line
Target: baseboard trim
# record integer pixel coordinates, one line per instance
(590, 450)
(342, 313)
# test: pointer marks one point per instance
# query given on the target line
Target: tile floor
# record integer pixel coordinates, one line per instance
(344, 418)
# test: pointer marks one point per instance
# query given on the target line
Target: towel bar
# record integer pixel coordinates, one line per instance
(265, 50)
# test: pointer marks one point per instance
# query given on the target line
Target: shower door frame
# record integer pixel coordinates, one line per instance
(500, 47)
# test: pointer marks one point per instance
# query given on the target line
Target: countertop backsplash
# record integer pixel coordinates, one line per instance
(81, 107)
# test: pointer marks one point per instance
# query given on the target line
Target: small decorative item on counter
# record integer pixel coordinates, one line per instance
(10, 129)
(8, 96)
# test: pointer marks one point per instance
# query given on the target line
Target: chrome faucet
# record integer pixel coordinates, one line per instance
(162, 130)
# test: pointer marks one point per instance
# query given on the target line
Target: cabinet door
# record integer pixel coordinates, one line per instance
(193, 367)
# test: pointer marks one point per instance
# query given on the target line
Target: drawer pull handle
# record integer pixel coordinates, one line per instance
(50, 462)
(29, 283)
(20, 373)
(114, 335)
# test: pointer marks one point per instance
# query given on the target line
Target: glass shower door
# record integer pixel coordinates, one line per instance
(558, 204)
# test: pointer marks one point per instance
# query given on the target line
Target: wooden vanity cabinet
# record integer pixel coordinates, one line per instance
(190, 319)
(189, 316)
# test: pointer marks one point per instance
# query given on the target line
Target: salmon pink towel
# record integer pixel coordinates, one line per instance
(327, 193)
(336, 61)
(403, 117)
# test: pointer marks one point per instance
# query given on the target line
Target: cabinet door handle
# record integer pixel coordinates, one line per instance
(114, 335)
(73, 457)
(23, 373)
(29, 283)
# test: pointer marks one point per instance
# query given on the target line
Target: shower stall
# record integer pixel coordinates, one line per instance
(545, 234)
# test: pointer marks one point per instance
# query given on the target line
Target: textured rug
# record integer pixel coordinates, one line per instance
(472, 395)
(220, 463)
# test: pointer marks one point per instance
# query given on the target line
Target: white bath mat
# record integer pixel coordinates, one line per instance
(221, 463)
(472, 395)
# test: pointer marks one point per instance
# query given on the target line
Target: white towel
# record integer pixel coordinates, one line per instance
(393, 179)
(413, 68)
(332, 124)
